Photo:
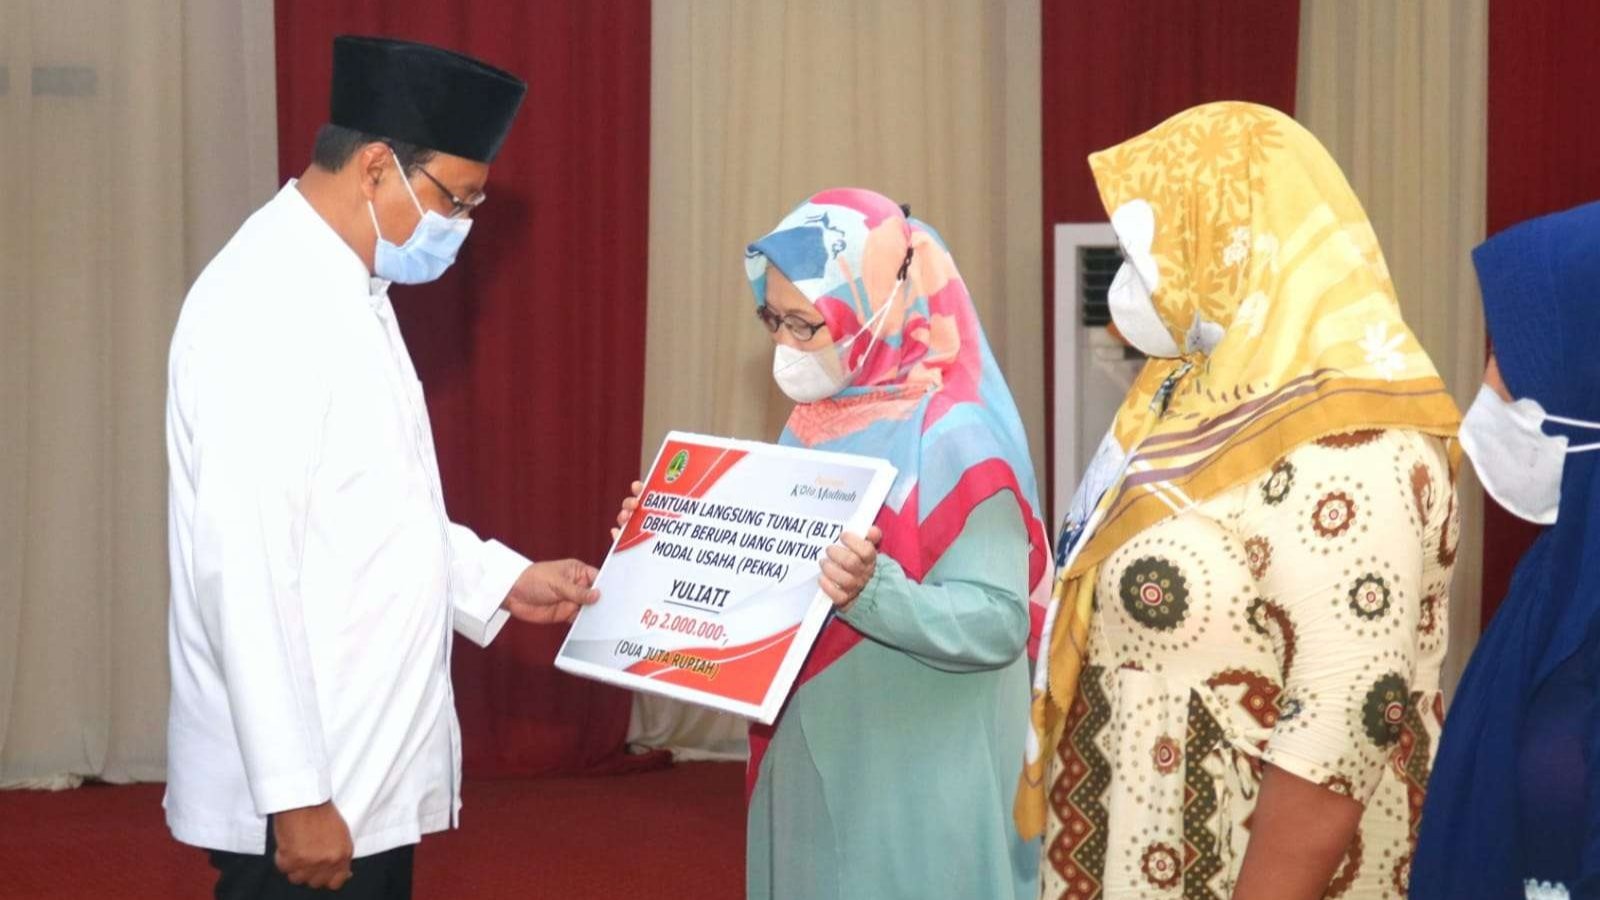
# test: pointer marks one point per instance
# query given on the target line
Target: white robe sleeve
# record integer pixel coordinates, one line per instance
(481, 575)
(257, 434)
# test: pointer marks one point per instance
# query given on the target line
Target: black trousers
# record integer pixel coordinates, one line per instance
(247, 876)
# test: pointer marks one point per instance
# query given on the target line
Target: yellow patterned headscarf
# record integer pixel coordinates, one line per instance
(1271, 283)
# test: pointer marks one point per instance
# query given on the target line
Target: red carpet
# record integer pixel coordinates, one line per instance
(669, 834)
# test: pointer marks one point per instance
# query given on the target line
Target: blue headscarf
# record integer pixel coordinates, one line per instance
(1541, 300)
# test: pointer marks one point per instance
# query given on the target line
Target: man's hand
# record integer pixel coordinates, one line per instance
(314, 846)
(549, 592)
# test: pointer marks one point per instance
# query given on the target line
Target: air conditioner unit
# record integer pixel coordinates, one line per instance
(1093, 369)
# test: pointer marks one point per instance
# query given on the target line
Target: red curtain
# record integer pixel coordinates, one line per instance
(1542, 135)
(531, 348)
(1113, 70)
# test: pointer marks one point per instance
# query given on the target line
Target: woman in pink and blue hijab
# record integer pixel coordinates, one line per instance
(889, 772)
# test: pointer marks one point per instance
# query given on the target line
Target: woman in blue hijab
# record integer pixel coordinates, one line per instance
(1513, 809)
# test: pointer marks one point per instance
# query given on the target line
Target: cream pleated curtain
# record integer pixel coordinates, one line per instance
(1397, 92)
(134, 137)
(757, 105)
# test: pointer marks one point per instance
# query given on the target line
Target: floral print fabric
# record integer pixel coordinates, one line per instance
(1296, 620)
(1268, 276)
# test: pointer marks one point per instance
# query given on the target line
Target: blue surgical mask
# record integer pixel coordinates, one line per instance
(428, 252)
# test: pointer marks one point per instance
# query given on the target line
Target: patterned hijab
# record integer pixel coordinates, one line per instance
(928, 398)
(1268, 278)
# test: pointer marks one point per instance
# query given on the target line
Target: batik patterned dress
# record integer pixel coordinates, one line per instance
(1297, 620)
(1251, 571)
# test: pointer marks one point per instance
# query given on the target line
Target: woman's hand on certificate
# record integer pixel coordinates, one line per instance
(848, 566)
(629, 504)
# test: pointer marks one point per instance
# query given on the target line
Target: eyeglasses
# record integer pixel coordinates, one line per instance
(458, 207)
(800, 328)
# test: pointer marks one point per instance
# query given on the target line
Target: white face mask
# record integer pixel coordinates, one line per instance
(807, 376)
(1520, 466)
(1134, 311)
(1132, 291)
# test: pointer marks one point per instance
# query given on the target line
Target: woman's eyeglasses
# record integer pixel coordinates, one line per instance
(800, 328)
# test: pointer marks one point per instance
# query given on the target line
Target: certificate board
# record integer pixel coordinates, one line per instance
(710, 592)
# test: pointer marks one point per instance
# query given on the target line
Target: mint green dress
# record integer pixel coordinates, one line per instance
(892, 771)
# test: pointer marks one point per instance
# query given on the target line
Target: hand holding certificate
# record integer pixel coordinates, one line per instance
(712, 588)
(846, 569)
(848, 566)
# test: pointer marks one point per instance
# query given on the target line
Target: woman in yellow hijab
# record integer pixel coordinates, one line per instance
(1241, 697)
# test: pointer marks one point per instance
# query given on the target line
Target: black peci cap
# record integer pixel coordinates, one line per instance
(422, 95)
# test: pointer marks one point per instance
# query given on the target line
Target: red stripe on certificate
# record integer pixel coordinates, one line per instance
(738, 673)
(719, 468)
(703, 468)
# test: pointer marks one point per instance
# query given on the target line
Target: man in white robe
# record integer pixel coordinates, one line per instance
(316, 578)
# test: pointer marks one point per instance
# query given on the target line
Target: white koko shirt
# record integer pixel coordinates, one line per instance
(315, 574)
